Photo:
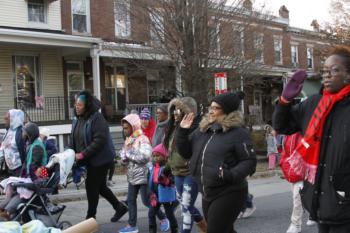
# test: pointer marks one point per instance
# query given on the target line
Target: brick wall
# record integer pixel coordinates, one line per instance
(66, 11)
(102, 19)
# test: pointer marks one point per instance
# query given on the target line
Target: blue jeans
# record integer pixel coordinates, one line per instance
(187, 192)
(133, 191)
(249, 201)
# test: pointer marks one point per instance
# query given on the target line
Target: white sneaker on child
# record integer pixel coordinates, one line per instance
(310, 223)
(293, 229)
(248, 212)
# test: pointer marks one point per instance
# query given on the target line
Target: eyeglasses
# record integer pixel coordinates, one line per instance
(214, 108)
(330, 72)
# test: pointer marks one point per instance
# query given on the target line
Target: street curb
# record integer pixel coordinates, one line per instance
(80, 195)
(121, 188)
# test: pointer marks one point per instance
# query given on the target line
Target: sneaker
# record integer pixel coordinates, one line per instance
(240, 215)
(310, 222)
(164, 225)
(248, 212)
(129, 229)
(293, 229)
(110, 183)
(120, 211)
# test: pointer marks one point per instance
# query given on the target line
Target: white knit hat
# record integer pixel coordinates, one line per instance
(45, 131)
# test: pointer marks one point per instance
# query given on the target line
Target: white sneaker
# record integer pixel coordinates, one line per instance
(293, 229)
(310, 223)
(248, 212)
(240, 215)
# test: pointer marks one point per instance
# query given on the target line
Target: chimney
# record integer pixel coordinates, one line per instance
(315, 25)
(284, 12)
(247, 4)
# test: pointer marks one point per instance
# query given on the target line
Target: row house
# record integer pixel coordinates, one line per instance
(51, 49)
(275, 50)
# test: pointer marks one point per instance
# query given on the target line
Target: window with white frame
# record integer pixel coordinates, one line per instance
(36, 11)
(81, 16)
(278, 50)
(157, 27)
(238, 41)
(259, 47)
(27, 80)
(75, 80)
(294, 54)
(122, 18)
(310, 57)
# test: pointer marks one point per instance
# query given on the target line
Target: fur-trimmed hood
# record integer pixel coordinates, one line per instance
(186, 104)
(225, 122)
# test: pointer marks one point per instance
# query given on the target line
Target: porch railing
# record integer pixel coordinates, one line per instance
(51, 109)
(138, 107)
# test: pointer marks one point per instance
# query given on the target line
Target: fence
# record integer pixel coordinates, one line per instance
(138, 107)
(52, 109)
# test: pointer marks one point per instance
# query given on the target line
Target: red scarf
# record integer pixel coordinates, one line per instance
(305, 158)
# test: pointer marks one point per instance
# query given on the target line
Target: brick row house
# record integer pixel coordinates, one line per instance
(51, 49)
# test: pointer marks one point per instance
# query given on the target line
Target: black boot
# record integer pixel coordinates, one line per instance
(119, 212)
(152, 229)
(173, 230)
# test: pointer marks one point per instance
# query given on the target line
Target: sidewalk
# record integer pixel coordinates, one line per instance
(120, 187)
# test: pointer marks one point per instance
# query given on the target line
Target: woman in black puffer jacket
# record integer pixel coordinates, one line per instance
(222, 157)
(91, 140)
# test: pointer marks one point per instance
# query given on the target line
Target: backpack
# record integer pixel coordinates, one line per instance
(289, 145)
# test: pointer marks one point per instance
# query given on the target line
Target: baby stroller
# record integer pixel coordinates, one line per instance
(39, 206)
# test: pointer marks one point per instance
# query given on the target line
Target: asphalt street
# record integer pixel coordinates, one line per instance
(273, 200)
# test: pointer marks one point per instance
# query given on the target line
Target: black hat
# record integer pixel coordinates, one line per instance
(229, 101)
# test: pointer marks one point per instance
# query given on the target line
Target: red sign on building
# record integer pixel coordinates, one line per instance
(220, 83)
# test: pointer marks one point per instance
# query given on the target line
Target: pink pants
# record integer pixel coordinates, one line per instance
(272, 161)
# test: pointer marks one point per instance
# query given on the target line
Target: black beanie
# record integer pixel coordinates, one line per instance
(229, 101)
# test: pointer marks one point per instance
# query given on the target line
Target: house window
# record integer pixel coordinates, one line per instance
(81, 16)
(278, 51)
(294, 55)
(122, 18)
(238, 42)
(259, 48)
(27, 80)
(157, 27)
(310, 58)
(214, 39)
(36, 11)
(75, 80)
(115, 83)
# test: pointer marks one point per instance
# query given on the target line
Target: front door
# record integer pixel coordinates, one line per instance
(75, 81)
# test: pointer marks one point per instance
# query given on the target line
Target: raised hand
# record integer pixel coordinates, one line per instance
(187, 121)
(294, 85)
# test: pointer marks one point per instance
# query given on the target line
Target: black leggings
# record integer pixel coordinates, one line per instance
(111, 171)
(96, 185)
(222, 212)
(342, 228)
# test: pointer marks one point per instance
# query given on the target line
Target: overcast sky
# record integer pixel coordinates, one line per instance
(301, 12)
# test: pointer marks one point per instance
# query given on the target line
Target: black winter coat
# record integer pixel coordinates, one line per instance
(328, 200)
(224, 144)
(95, 137)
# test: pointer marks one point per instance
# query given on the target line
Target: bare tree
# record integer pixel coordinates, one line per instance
(339, 28)
(200, 37)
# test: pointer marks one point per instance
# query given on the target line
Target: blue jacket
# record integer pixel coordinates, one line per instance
(164, 193)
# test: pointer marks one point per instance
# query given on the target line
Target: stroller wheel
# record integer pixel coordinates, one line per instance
(64, 225)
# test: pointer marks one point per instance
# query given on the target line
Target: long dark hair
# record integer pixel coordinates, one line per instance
(170, 128)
